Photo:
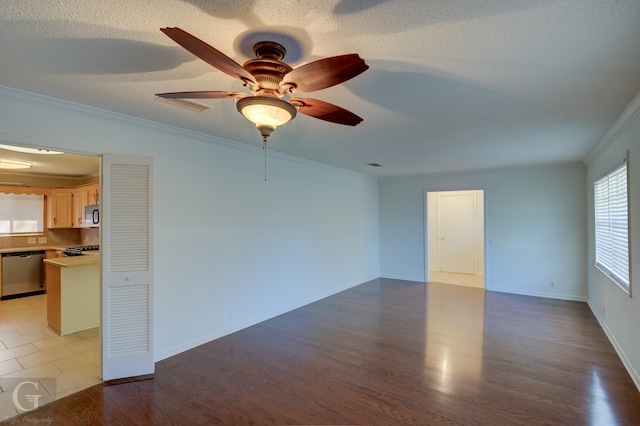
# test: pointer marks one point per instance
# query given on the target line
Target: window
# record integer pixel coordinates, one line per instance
(612, 226)
(21, 214)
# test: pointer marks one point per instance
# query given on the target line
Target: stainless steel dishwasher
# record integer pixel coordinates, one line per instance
(22, 273)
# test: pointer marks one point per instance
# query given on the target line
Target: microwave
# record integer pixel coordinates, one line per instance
(92, 216)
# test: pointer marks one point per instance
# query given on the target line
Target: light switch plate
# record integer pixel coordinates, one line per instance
(42, 240)
(31, 240)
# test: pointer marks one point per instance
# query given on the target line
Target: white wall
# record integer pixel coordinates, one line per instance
(535, 228)
(618, 313)
(230, 250)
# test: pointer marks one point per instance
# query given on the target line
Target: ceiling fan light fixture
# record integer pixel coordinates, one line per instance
(14, 164)
(266, 112)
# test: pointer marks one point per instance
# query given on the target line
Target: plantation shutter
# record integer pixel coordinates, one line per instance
(127, 273)
(612, 225)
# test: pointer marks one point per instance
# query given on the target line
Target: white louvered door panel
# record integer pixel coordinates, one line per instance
(127, 273)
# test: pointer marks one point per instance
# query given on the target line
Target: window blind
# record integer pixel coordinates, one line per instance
(612, 226)
(21, 213)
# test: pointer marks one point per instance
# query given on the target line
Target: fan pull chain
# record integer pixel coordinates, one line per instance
(264, 148)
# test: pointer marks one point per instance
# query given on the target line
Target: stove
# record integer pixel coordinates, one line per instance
(77, 250)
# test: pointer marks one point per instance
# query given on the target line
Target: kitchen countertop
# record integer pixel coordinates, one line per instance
(29, 248)
(65, 262)
(87, 258)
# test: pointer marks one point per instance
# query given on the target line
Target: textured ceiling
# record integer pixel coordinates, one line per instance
(452, 85)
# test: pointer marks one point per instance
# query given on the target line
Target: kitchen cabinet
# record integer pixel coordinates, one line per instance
(82, 197)
(79, 203)
(66, 205)
(50, 254)
(53, 253)
(73, 294)
(93, 194)
(60, 207)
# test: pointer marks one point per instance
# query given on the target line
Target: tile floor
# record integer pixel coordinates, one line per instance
(29, 350)
(468, 280)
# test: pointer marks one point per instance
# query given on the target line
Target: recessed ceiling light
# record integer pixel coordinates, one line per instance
(14, 164)
(29, 150)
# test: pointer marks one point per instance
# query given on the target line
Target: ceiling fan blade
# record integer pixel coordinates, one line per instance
(325, 111)
(207, 53)
(324, 73)
(202, 95)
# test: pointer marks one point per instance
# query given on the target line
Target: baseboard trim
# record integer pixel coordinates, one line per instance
(621, 354)
(403, 278)
(570, 297)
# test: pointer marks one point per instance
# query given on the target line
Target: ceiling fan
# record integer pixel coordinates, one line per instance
(270, 80)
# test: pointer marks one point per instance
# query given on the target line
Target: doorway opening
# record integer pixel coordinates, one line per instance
(47, 335)
(455, 237)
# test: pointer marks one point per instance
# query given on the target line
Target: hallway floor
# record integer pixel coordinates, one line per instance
(468, 280)
(30, 351)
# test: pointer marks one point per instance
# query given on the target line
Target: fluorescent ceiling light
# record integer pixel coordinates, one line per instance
(29, 150)
(14, 164)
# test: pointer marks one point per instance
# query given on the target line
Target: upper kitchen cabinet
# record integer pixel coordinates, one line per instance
(80, 197)
(60, 207)
(66, 205)
(93, 194)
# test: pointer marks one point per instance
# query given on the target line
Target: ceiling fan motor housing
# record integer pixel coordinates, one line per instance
(267, 69)
(270, 50)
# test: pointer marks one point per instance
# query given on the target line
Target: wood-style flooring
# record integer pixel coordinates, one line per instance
(386, 352)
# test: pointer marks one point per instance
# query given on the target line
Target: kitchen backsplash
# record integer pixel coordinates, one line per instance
(55, 238)
(90, 236)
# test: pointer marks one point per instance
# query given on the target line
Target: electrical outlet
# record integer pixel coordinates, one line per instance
(31, 240)
(42, 240)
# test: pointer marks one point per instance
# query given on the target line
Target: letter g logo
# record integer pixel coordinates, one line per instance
(34, 398)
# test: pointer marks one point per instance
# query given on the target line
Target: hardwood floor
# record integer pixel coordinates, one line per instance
(386, 352)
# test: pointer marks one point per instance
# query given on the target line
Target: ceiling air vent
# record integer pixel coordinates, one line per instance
(375, 165)
(184, 103)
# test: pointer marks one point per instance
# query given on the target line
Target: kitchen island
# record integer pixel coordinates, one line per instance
(73, 293)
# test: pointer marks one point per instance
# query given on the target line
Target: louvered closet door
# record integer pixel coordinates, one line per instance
(127, 272)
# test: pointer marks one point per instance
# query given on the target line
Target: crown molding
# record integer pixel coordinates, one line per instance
(22, 96)
(515, 169)
(628, 115)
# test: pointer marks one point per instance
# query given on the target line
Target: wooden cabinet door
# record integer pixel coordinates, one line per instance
(79, 203)
(60, 209)
(54, 293)
(49, 254)
(93, 196)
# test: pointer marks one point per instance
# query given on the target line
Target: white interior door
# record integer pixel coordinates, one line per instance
(456, 232)
(127, 271)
